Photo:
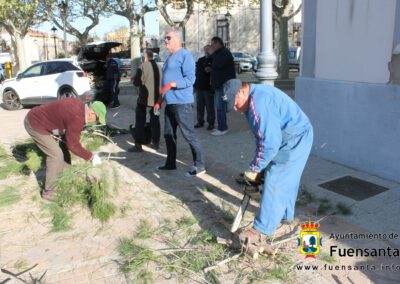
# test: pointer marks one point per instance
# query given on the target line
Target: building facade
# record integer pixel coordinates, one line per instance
(238, 26)
(38, 45)
(343, 84)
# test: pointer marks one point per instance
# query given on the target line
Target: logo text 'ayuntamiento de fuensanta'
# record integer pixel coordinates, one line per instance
(310, 240)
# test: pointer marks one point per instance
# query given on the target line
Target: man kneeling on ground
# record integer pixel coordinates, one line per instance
(64, 119)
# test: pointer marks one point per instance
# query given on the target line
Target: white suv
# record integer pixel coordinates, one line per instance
(45, 81)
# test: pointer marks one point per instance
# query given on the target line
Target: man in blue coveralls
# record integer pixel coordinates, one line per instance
(284, 137)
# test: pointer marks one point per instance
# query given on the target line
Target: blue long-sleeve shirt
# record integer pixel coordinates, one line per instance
(274, 119)
(180, 68)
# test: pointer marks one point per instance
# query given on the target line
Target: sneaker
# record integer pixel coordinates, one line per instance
(49, 195)
(218, 132)
(115, 106)
(194, 172)
(166, 168)
(198, 125)
(210, 127)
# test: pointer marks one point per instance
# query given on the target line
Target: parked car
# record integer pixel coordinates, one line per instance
(125, 66)
(125, 57)
(45, 81)
(294, 57)
(244, 61)
(2, 73)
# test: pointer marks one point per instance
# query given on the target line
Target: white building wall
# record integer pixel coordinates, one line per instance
(352, 40)
(342, 87)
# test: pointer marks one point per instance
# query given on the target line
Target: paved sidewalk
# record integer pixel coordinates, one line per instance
(377, 214)
(226, 156)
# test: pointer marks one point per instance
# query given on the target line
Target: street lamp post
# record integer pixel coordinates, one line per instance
(63, 7)
(228, 18)
(266, 71)
(53, 30)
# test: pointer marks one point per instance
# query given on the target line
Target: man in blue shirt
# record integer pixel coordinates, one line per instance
(284, 137)
(177, 81)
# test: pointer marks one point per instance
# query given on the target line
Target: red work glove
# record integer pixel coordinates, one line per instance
(157, 106)
(167, 87)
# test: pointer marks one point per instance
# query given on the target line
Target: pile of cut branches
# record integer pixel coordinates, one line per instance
(84, 185)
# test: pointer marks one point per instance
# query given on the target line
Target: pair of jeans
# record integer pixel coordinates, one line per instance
(281, 183)
(181, 115)
(57, 155)
(205, 101)
(141, 121)
(222, 107)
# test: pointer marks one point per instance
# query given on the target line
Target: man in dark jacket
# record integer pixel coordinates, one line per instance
(204, 98)
(148, 79)
(62, 121)
(223, 69)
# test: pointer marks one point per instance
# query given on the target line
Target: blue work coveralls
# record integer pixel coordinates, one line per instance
(284, 137)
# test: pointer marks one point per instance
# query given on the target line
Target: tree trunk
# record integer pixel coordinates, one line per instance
(20, 54)
(143, 32)
(135, 44)
(283, 48)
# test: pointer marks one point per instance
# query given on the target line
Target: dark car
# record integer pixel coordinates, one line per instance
(294, 58)
(93, 59)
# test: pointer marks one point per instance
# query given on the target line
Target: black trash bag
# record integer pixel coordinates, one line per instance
(147, 133)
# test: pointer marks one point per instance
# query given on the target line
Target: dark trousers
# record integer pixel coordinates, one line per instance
(141, 121)
(114, 91)
(205, 101)
(181, 115)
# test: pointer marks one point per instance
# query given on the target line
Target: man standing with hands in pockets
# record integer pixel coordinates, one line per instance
(177, 81)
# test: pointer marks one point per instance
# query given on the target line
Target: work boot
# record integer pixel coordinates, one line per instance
(49, 195)
(136, 149)
(255, 242)
(252, 236)
(210, 127)
(154, 145)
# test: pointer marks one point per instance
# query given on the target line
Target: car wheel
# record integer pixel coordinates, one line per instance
(67, 93)
(11, 100)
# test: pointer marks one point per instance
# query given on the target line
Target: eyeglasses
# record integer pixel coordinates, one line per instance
(167, 38)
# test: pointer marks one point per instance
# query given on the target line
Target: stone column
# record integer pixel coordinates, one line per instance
(266, 71)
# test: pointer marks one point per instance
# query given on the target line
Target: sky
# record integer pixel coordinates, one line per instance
(108, 24)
